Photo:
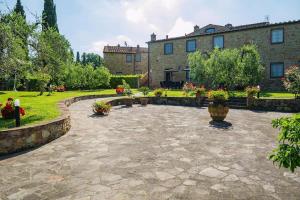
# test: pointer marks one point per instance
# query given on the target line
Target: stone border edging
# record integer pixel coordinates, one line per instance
(32, 136)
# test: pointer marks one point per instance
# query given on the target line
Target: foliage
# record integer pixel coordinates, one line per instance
(127, 89)
(101, 107)
(188, 88)
(38, 81)
(132, 80)
(49, 16)
(158, 92)
(252, 90)
(93, 59)
(77, 57)
(287, 154)
(218, 95)
(52, 53)
(229, 67)
(201, 91)
(144, 90)
(291, 80)
(77, 76)
(19, 9)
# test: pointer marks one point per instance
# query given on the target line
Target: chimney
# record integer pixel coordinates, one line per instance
(229, 26)
(167, 37)
(153, 37)
(138, 46)
(119, 45)
(196, 28)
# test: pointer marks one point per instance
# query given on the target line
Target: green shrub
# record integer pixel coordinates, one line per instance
(132, 80)
(218, 95)
(158, 92)
(287, 154)
(144, 90)
(251, 91)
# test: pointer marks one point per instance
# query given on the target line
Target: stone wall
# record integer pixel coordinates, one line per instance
(116, 63)
(287, 52)
(280, 105)
(23, 138)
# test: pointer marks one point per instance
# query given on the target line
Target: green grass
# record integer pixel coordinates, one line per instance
(41, 108)
(265, 95)
(44, 108)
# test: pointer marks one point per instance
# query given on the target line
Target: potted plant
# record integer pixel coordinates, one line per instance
(158, 92)
(145, 91)
(251, 92)
(128, 93)
(120, 90)
(218, 108)
(101, 108)
(200, 92)
(8, 111)
(188, 88)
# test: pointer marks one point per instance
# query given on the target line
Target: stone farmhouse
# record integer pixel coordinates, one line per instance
(278, 44)
(126, 60)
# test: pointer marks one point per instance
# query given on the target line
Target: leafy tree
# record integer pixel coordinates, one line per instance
(94, 59)
(19, 9)
(41, 80)
(287, 154)
(77, 57)
(228, 67)
(13, 54)
(291, 80)
(49, 16)
(51, 53)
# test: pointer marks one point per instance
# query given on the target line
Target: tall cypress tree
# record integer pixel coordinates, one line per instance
(83, 60)
(78, 57)
(49, 15)
(19, 9)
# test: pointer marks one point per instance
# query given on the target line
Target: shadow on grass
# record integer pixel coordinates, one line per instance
(220, 125)
(10, 123)
(30, 95)
(1, 93)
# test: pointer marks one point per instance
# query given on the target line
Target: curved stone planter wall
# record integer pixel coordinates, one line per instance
(23, 138)
(18, 139)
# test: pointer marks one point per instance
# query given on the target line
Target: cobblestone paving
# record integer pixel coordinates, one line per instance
(153, 152)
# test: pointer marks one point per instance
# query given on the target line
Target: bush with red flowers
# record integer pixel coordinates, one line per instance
(120, 89)
(8, 111)
(60, 88)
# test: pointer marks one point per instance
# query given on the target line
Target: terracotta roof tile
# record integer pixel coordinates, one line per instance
(120, 49)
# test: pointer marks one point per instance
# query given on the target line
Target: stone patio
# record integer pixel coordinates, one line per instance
(153, 152)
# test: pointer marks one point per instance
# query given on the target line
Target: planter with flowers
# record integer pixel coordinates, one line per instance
(251, 92)
(120, 90)
(188, 88)
(145, 91)
(101, 108)
(158, 92)
(218, 108)
(8, 111)
(200, 92)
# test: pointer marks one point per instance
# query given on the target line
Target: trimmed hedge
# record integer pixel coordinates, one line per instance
(132, 80)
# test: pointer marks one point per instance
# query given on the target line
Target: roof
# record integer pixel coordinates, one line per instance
(120, 49)
(227, 28)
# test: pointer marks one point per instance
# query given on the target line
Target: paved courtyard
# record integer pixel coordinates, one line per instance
(153, 153)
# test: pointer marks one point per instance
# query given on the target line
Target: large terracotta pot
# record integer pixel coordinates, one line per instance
(144, 101)
(101, 111)
(218, 111)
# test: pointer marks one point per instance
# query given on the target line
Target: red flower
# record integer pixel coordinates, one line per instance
(22, 111)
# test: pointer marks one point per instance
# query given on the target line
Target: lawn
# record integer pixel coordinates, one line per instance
(43, 108)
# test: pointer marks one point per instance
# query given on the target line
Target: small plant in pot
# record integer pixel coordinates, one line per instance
(120, 90)
(128, 93)
(252, 91)
(101, 108)
(158, 92)
(200, 92)
(188, 88)
(218, 108)
(145, 91)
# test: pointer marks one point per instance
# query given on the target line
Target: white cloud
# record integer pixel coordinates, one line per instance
(181, 27)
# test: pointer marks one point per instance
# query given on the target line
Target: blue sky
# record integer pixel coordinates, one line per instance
(91, 24)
